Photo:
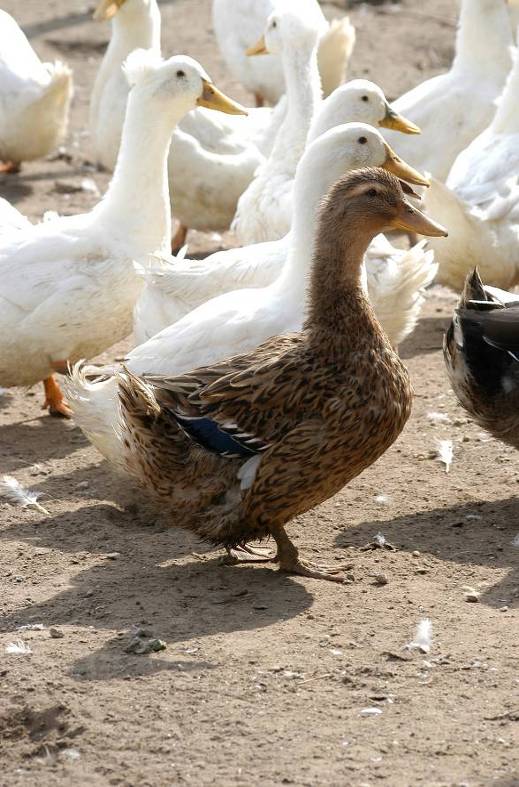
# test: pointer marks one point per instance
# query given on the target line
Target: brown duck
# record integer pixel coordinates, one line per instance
(238, 449)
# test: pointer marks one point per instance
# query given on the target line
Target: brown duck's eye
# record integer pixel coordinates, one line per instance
(365, 98)
(363, 140)
(372, 193)
(181, 73)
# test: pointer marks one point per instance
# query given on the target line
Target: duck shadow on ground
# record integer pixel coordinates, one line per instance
(474, 533)
(145, 585)
(426, 338)
(37, 440)
(13, 189)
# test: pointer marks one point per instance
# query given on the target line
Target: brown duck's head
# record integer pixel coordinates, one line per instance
(369, 201)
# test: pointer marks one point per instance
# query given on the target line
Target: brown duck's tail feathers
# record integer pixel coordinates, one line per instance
(137, 397)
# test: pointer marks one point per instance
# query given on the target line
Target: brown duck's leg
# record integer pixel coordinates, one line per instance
(260, 101)
(10, 167)
(247, 554)
(290, 563)
(179, 238)
(55, 400)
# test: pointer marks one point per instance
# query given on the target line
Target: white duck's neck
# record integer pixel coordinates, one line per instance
(303, 85)
(484, 37)
(309, 189)
(136, 206)
(135, 28)
(506, 119)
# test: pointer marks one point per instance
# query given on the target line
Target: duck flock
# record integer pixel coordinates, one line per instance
(266, 376)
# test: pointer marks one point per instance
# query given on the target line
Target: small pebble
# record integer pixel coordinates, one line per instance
(112, 555)
(416, 553)
(380, 579)
(56, 633)
(472, 596)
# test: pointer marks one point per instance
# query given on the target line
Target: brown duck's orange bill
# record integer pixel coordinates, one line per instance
(410, 219)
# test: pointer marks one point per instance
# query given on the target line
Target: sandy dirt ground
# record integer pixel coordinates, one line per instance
(265, 679)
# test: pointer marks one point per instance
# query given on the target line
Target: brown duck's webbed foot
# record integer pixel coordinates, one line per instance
(9, 167)
(260, 101)
(179, 238)
(247, 554)
(290, 562)
(55, 400)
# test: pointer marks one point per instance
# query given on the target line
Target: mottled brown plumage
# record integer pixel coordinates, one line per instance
(481, 350)
(308, 411)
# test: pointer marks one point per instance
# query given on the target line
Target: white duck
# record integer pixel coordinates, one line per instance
(238, 321)
(237, 23)
(68, 285)
(174, 287)
(264, 209)
(452, 108)
(34, 99)
(212, 158)
(480, 201)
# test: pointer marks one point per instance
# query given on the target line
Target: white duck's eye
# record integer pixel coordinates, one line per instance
(365, 98)
(362, 140)
(180, 73)
(274, 24)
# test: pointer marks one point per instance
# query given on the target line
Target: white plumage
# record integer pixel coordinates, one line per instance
(239, 23)
(452, 108)
(480, 201)
(33, 96)
(68, 285)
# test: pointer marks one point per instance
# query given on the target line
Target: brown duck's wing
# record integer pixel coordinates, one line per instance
(249, 398)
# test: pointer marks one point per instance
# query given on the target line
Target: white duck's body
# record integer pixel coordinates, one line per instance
(34, 97)
(11, 220)
(68, 285)
(238, 321)
(176, 287)
(453, 108)
(480, 202)
(265, 208)
(238, 23)
(212, 159)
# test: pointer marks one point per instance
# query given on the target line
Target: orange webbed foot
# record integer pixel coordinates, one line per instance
(9, 167)
(54, 399)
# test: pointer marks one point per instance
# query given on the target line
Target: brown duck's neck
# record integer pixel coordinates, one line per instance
(337, 302)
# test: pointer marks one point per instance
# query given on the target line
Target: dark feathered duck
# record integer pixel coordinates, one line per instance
(481, 350)
(238, 449)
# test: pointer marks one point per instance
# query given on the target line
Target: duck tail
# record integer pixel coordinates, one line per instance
(60, 90)
(93, 398)
(397, 289)
(335, 50)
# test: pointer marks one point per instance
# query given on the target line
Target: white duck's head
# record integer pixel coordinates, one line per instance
(178, 84)
(125, 10)
(359, 101)
(338, 151)
(289, 31)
